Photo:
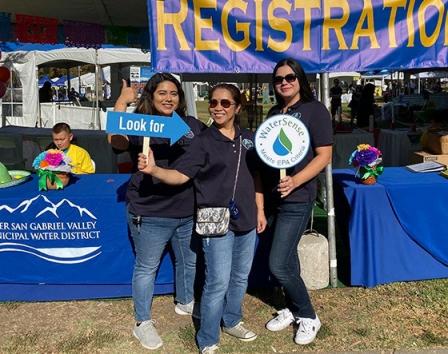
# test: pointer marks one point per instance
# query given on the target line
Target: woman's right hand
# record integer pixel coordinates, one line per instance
(127, 95)
(146, 164)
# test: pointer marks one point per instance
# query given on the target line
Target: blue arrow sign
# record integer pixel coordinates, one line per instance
(147, 125)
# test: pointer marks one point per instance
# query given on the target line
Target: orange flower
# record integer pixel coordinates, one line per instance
(44, 164)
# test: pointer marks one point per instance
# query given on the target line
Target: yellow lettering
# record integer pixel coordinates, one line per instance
(410, 23)
(335, 24)
(174, 19)
(236, 46)
(307, 5)
(281, 25)
(394, 5)
(429, 41)
(366, 14)
(203, 23)
(446, 30)
(259, 25)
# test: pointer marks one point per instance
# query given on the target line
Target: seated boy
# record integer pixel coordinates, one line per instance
(81, 161)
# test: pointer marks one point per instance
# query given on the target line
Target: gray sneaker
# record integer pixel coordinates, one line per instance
(147, 334)
(210, 350)
(240, 332)
(190, 309)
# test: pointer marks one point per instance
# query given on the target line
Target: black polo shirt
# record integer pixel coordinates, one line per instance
(147, 196)
(211, 161)
(317, 119)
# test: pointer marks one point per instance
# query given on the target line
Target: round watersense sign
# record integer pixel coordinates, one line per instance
(282, 141)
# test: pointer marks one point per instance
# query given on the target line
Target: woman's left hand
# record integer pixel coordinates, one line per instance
(286, 186)
(261, 221)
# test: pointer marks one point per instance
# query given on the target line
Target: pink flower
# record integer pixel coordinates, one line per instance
(54, 159)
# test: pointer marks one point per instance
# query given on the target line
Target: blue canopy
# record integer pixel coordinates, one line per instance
(43, 79)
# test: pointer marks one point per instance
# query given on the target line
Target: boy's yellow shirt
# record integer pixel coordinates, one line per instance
(80, 160)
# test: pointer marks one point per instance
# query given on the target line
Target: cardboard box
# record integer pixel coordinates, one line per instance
(436, 142)
(422, 156)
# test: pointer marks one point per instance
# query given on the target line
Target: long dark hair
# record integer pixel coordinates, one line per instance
(145, 103)
(306, 95)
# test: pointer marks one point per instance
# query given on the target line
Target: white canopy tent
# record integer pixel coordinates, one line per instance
(26, 63)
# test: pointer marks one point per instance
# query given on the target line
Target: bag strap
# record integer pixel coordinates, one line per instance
(237, 171)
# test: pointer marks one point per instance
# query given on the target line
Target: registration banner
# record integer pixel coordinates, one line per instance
(324, 35)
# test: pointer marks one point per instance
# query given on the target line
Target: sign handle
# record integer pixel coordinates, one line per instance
(282, 173)
(146, 145)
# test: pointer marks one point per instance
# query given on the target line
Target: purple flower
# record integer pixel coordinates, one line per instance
(365, 157)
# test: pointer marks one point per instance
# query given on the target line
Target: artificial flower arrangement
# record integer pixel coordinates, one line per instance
(367, 161)
(53, 169)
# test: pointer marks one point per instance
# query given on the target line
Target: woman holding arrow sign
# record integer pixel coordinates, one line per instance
(223, 164)
(159, 213)
(290, 198)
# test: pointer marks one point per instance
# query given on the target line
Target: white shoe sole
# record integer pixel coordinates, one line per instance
(242, 339)
(147, 346)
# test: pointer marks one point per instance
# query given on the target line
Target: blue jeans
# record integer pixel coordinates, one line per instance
(228, 260)
(150, 240)
(290, 223)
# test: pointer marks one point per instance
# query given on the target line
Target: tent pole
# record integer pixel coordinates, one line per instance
(325, 94)
(97, 111)
(39, 115)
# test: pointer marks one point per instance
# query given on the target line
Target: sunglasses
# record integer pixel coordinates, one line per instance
(224, 103)
(289, 79)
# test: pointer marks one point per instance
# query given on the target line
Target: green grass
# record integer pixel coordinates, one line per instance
(404, 316)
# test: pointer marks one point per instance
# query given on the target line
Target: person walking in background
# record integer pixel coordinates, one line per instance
(366, 105)
(80, 159)
(291, 199)
(222, 162)
(158, 213)
(336, 102)
(46, 93)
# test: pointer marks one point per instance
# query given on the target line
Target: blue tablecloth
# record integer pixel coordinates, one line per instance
(69, 244)
(396, 227)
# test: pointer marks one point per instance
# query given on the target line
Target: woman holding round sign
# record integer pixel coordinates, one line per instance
(223, 163)
(159, 213)
(296, 139)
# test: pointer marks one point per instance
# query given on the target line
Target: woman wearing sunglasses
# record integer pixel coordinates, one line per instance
(291, 198)
(159, 214)
(222, 162)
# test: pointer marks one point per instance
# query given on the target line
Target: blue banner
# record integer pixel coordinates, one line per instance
(324, 35)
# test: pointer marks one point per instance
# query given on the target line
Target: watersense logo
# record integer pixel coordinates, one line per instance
(282, 141)
(282, 145)
(58, 232)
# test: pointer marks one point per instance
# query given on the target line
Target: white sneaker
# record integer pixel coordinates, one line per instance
(283, 319)
(210, 350)
(147, 334)
(190, 309)
(307, 330)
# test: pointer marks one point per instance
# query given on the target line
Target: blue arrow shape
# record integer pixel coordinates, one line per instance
(154, 126)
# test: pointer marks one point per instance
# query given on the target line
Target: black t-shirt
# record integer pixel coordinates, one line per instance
(146, 195)
(317, 119)
(211, 161)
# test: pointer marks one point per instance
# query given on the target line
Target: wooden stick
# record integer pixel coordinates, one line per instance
(146, 145)
(282, 173)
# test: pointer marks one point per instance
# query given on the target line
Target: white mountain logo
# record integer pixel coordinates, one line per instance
(37, 207)
(52, 208)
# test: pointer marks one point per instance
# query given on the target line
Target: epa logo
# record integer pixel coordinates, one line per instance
(282, 141)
